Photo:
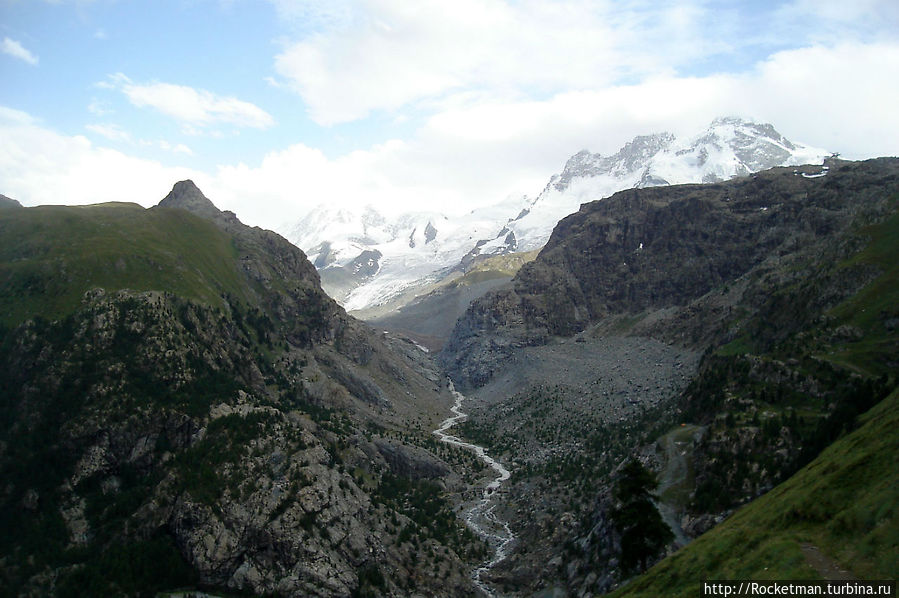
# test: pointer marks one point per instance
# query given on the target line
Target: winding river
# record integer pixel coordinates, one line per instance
(480, 515)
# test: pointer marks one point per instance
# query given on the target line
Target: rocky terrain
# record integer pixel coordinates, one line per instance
(754, 313)
(241, 435)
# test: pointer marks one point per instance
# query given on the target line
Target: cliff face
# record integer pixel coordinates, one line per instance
(242, 433)
(662, 251)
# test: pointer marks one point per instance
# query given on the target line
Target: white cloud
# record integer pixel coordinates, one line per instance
(830, 21)
(110, 132)
(41, 166)
(116, 133)
(386, 55)
(196, 109)
(477, 151)
(99, 107)
(16, 117)
(17, 50)
(178, 148)
(398, 52)
(392, 53)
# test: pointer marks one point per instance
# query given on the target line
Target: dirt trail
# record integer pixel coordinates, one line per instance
(675, 479)
(826, 567)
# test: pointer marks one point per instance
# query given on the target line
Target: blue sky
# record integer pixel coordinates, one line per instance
(275, 106)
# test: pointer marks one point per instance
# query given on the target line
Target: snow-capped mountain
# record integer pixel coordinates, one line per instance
(730, 147)
(366, 259)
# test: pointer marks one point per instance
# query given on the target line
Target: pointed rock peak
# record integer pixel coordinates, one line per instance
(6, 202)
(187, 196)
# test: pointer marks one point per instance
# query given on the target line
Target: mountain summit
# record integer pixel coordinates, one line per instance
(6, 202)
(187, 196)
(367, 260)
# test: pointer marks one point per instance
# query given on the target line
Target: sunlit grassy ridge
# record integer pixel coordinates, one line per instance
(51, 255)
(502, 265)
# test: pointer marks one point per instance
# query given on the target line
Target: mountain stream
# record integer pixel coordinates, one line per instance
(480, 516)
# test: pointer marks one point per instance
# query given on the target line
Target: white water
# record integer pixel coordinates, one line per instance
(480, 516)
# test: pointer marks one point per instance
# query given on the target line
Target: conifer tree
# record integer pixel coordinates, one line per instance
(643, 532)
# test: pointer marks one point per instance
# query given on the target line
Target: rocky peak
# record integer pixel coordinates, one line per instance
(633, 156)
(430, 233)
(187, 196)
(6, 202)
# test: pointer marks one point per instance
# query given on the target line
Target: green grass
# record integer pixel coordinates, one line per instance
(493, 267)
(51, 255)
(845, 502)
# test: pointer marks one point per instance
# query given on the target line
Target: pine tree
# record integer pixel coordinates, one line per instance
(643, 532)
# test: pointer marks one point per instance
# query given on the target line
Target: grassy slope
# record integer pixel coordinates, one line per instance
(51, 255)
(497, 266)
(846, 502)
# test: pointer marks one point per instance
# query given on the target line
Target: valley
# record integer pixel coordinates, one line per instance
(177, 388)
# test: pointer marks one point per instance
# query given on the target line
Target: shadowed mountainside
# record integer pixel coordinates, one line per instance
(183, 407)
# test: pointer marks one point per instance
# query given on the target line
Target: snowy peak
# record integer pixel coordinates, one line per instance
(634, 155)
(728, 147)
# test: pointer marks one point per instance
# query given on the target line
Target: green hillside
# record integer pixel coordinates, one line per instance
(875, 309)
(51, 255)
(845, 503)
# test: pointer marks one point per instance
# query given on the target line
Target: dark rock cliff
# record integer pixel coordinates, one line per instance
(656, 249)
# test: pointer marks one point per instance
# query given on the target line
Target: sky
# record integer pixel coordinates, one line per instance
(274, 107)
